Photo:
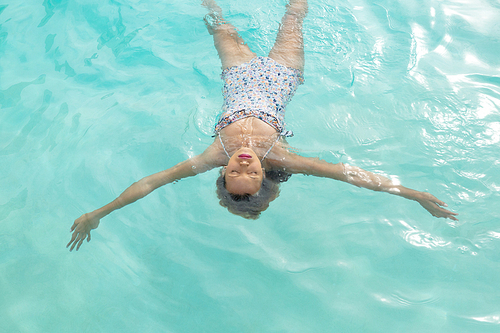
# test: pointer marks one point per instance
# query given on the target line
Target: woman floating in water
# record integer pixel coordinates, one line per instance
(250, 143)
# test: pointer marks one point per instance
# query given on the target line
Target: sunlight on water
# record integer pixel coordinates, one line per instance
(95, 95)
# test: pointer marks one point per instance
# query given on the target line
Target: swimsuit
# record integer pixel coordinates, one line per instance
(260, 88)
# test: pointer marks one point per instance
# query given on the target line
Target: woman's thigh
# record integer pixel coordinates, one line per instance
(288, 49)
(230, 46)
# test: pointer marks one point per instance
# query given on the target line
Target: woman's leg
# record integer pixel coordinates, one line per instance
(288, 49)
(231, 48)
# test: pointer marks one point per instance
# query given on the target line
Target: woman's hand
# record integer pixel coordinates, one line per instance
(434, 206)
(81, 230)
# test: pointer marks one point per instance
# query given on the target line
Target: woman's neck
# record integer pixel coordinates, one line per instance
(249, 132)
(260, 144)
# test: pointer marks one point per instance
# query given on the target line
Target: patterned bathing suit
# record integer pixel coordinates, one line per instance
(259, 88)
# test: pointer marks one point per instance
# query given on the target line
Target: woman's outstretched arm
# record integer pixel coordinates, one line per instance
(362, 178)
(84, 224)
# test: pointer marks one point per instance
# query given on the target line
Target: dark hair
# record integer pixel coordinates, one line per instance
(250, 206)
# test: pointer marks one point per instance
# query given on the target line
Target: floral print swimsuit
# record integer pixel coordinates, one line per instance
(260, 88)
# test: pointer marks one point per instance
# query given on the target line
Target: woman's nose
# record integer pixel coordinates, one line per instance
(244, 162)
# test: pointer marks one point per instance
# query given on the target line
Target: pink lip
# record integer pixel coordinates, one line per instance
(245, 156)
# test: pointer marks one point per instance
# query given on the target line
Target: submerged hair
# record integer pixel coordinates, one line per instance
(250, 206)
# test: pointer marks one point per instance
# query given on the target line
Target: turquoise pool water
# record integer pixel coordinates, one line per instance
(95, 95)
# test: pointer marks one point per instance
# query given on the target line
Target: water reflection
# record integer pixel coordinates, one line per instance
(420, 238)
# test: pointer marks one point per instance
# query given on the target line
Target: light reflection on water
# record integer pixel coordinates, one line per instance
(95, 95)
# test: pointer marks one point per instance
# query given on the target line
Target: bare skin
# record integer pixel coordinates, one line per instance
(253, 137)
(244, 172)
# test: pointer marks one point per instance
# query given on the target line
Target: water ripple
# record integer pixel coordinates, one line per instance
(420, 238)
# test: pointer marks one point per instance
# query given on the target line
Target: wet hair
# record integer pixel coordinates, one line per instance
(250, 206)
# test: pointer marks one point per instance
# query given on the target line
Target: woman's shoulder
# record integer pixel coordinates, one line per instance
(212, 157)
(285, 158)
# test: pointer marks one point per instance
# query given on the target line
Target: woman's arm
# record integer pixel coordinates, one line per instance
(191, 167)
(362, 178)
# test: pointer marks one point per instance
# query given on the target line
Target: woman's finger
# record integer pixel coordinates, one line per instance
(72, 247)
(73, 237)
(77, 238)
(441, 203)
(80, 243)
(448, 214)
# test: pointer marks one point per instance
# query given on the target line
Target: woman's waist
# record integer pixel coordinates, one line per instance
(250, 125)
(262, 117)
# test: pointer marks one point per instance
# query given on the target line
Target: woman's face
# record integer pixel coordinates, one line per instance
(243, 173)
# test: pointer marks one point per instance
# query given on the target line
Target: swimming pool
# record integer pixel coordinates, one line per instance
(95, 95)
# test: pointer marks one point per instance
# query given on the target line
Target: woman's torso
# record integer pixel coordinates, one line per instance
(254, 133)
(255, 96)
(260, 88)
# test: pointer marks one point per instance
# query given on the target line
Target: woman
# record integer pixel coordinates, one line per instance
(250, 134)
